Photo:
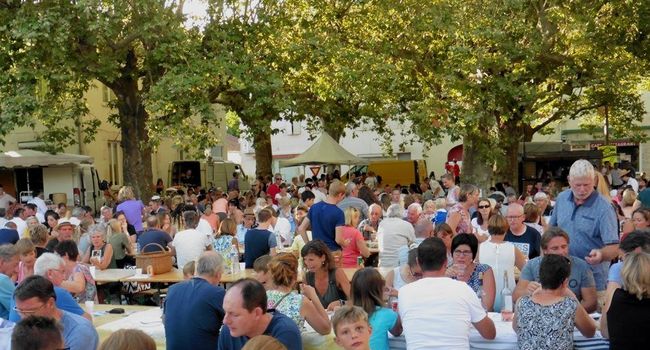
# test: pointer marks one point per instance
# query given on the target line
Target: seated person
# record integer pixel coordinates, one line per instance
(351, 328)
(35, 297)
(331, 284)
(404, 274)
(247, 318)
(37, 332)
(546, 319)
(261, 268)
(581, 279)
(627, 321)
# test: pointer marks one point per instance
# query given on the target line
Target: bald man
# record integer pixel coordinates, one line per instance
(524, 237)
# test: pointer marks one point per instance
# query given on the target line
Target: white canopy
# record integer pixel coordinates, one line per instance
(28, 158)
(324, 151)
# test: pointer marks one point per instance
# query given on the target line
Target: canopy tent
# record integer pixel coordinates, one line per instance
(28, 158)
(324, 151)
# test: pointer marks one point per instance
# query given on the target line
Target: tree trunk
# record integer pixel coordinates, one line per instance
(508, 166)
(135, 140)
(263, 154)
(477, 163)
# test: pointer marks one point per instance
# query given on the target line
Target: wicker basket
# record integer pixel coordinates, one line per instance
(160, 261)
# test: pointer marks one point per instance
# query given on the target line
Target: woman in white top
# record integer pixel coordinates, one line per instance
(480, 222)
(501, 256)
(404, 274)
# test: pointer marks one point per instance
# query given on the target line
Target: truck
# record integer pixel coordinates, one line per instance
(74, 184)
(206, 174)
(393, 172)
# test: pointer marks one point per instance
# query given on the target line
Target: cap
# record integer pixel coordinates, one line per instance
(155, 198)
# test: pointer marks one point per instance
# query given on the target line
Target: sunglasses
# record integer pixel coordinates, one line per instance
(483, 206)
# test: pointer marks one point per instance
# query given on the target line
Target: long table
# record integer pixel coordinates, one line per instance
(506, 338)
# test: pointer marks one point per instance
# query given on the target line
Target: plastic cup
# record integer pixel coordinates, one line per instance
(93, 271)
(242, 267)
(90, 307)
(138, 272)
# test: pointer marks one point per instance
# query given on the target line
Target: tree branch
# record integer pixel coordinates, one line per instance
(560, 114)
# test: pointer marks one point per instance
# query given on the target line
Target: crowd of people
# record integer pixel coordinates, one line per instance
(432, 259)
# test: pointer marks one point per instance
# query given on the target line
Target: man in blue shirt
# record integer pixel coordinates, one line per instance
(326, 219)
(153, 234)
(51, 266)
(193, 311)
(581, 280)
(260, 240)
(590, 221)
(35, 297)
(247, 318)
(8, 266)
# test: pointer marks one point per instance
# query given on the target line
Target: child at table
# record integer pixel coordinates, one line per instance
(351, 328)
(261, 268)
(356, 244)
(188, 270)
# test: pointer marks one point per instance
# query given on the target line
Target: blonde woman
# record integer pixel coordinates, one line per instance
(131, 207)
(626, 321)
(119, 240)
(357, 246)
(627, 204)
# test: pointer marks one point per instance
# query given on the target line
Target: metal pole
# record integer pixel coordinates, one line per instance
(606, 125)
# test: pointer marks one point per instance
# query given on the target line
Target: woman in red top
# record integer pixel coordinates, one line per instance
(356, 244)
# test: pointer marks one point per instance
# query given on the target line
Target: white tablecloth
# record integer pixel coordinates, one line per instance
(148, 321)
(506, 339)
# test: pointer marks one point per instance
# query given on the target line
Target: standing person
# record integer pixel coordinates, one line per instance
(326, 219)
(440, 320)
(357, 246)
(9, 259)
(131, 207)
(458, 216)
(5, 199)
(193, 311)
(367, 292)
(590, 221)
(629, 179)
(524, 237)
(247, 317)
(331, 284)
(35, 296)
(274, 188)
(260, 241)
(233, 184)
(393, 233)
(627, 321)
(352, 200)
(190, 243)
(546, 319)
(502, 256)
(453, 191)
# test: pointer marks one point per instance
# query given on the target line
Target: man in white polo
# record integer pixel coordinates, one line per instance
(437, 311)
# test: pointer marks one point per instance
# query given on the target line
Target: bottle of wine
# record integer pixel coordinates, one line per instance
(480, 293)
(506, 294)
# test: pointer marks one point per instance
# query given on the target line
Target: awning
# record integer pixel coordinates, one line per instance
(324, 151)
(29, 158)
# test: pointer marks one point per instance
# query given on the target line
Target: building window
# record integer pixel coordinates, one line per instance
(295, 128)
(107, 94)
(114, 162)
